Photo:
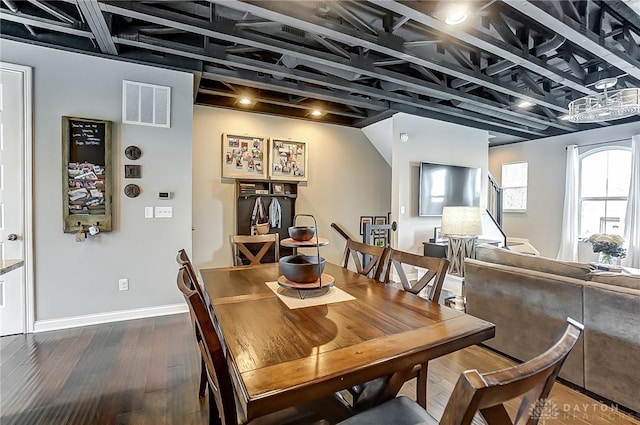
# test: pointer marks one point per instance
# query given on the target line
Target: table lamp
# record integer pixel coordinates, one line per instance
(462, 225)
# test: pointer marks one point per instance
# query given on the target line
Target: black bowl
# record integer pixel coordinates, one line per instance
(301, 268)
(302, 233)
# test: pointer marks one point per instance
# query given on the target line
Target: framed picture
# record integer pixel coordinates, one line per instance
(365, 219)
(278, 189)
(437, 235)
(379, 219)
(244, 156)
(380, 241)
(288, 160)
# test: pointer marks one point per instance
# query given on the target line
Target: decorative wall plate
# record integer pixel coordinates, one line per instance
(132, 190)
(132, 152)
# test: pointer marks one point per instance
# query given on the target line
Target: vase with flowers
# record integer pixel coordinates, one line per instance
(609, 248)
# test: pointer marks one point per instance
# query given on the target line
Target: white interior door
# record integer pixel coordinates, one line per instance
(12, 143)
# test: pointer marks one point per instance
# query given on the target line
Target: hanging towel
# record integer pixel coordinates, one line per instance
(275, 213)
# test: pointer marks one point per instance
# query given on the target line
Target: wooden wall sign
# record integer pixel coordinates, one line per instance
(86, 174)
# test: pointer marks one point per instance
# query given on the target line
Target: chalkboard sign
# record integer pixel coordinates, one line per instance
(86, 157)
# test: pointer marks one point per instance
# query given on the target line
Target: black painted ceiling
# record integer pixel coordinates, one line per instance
(363, 61)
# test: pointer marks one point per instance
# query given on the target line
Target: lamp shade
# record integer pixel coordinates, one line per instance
(461, 221)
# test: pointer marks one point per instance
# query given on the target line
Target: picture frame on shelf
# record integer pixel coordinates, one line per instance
(278, 189)
(365, 219)
(438, 237)
(244, 156)
(288, 160)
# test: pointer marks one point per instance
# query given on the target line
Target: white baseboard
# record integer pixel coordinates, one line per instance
(112, 316)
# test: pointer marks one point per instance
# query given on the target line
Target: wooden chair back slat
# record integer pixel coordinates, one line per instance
(221, 392)
(486, 393)
(239, 245)
(374, 254)
(436, 270)
(183, 260)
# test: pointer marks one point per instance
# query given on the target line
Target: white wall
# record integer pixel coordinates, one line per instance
(74, 278)
(542, 222)
(429, 141)
(347, 179)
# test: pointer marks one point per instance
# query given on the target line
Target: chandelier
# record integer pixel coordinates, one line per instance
(605, 106)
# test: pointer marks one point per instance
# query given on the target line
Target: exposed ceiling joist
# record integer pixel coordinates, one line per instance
(516, 56)
(275, 11)
(578, 34)
(95, 19)
(359, 60)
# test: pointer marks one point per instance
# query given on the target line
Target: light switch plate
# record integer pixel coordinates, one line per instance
(148, 212)
(164, 212)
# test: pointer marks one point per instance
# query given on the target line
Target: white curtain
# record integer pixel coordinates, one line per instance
(569, 237)
(632, 220)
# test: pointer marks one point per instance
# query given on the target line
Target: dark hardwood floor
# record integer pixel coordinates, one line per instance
(147, 372)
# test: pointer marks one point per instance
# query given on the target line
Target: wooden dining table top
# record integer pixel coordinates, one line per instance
(280, 357)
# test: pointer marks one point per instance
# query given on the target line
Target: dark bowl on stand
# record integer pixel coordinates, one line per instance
(301, 268)
(302, 233)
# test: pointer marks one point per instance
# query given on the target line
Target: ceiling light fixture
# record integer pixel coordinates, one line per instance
(565, 117)
(456, 15)
(316, 113)
(245, 101)
(608, 105)
(606, 83)
(525, 104)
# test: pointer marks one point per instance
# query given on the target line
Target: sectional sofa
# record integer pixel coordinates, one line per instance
(528, 299)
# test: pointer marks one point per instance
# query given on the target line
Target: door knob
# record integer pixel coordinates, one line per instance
(12, 237)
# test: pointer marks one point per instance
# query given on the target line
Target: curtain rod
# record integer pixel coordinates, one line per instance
(603, 143)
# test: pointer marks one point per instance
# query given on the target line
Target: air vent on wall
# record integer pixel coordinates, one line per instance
(146, 104)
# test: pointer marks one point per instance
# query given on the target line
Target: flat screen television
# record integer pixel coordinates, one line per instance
(444, 185)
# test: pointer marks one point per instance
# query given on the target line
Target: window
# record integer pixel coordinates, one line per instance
(604, 187)
(514, 185)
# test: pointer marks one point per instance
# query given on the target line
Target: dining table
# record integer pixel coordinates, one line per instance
(280, 357)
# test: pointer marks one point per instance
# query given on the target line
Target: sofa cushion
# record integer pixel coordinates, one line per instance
(616, 279)
(529, 308)
(611, 341)
(506, 257)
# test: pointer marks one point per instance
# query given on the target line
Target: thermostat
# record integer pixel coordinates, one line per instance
(165, 195)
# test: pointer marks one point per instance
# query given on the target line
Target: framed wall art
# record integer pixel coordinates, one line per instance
(364, 220)
(244, 156)
(288, 160)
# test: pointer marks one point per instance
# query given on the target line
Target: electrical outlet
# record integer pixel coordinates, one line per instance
(123, 284)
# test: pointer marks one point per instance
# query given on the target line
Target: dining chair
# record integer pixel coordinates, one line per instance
(183, 260)
(376, 391)
(223, 405)
(436, 270)
(263, 242)
(485, 393)
(372, 262)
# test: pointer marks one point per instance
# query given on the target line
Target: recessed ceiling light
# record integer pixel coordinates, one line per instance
(524, 104)
(316, 113)
(245, 101)
(456, 15)
(606, 83)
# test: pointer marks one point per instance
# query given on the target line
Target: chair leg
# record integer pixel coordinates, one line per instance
(421, 386)
(203, 379)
